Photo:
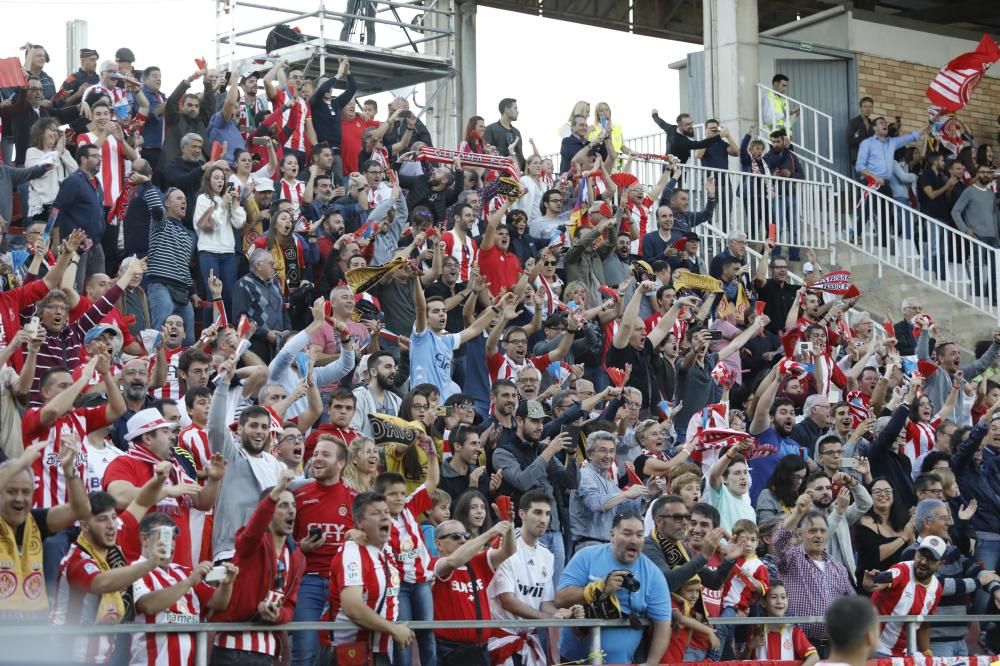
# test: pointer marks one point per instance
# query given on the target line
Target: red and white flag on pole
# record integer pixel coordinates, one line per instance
(955, 83)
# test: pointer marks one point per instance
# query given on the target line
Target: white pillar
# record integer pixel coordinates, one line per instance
(731, 42)
(465, 60)
(439, 94)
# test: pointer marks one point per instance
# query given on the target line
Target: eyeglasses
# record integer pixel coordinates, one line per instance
(832, 452)
(294, 438)
(936, 492)
(549, 263)
(881, 492)
(516, 342)
(678, 517)
(57, 308)
(456, 536)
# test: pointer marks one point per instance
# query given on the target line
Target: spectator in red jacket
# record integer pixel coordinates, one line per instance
(273, 564)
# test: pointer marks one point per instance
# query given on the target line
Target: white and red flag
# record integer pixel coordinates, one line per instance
(955, 83)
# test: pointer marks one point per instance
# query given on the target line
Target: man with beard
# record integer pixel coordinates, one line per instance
(773, 421)
(152, 440)
(596, 573)
(459, 244)
(163, 367)
(184, 114)
(24, 529)
(364, 584)
(522, 587)
(527, 463)
(812, 577)
(272, 568)
(503, 135)
(135, 389)
(503, 396)
(437, 188)
(816, 411)
(498, 264)
(841, 512)
(251, 468)
(908, 588)
(323, 517)
(377, 395)
(95, 579)
(976, 214)
(680, 137)
(939, 384)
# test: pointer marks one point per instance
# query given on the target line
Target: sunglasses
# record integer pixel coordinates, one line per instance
(456, 536)
(675, 516)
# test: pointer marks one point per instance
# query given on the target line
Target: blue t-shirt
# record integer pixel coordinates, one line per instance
(768, 450)
(430, 360)
(652, 601)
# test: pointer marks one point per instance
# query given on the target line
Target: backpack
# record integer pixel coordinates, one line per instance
(280, 37)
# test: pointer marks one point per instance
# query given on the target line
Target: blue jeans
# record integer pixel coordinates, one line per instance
(161, 306)
(416, 603)
(725, 632)
(224, 267)
(950, 648)
(987, 552)
(694, 654)
(313, 594)
(553, 540)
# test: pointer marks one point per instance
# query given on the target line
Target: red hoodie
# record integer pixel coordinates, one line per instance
(256, 559)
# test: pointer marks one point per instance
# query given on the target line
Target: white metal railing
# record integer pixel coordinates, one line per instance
(811, 129)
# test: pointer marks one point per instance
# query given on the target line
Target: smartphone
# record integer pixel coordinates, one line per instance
(803, 348)
(404, 115)
(849, 463)
(229, 188)
(216, 575)
(715, 335)
(34, 325)
(315, 533)
(167, 536)
(261, 140)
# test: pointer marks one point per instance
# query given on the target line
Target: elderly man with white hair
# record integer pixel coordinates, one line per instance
(906, 342)
(816, 422)
(736, 246)
(258, 296)
(593, 505)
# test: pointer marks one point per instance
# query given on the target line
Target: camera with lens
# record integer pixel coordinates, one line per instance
(629, 582)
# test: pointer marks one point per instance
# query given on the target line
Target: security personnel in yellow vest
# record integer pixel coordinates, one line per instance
(23, 529)
(776, 112)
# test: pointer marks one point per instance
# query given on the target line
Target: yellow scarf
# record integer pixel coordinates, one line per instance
(22, 584)
(111, 609)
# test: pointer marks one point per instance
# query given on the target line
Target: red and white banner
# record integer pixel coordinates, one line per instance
(955, 83)
(835, 282)
(918, 660)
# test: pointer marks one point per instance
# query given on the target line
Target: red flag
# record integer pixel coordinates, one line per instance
(926, 368)
(955, 83)
(505, 507)
(837, 282)
(890, 328)
(759, 307)
(717, 438)
(617, 376)
(772, 235)
(633, 478)
(216, 151)
(12, 73)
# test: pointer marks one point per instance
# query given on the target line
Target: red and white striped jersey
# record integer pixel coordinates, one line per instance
(172, 388)
(787, 643)
(263, 642)
(76, 604)
(112, 165)
(194, 438)
(115, 94)
(641, 220)
(375, 572)
(904, 596)
(297, 141)
(407, 541)
(465, 253)
(748, 580)
(293, 191)
(919, 439)
(502, 366)
(168, 649)
(50, 482)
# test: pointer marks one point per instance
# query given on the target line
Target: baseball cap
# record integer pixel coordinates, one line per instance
(531, 409)
(124, 55)
(97, 332)
(263, 185)
(934, 544)
(146, 420)
(808, 267)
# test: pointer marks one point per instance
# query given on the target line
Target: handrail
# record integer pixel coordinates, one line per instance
(810, 117)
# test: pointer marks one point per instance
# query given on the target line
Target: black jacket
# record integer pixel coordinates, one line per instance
(496, 135)
(680, 145)
(856, 133)
(326, 117)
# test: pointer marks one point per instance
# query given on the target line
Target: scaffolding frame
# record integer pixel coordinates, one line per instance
(414, 44)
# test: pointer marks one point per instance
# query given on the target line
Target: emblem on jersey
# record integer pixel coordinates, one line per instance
(51, 459)
(786, 644)
(8, 583)
(33, 585)
(352, 567)
(342, 510)
(406, 544)
(91, 568)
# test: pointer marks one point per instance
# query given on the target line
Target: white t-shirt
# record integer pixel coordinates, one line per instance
(527, 574)
(98, 461)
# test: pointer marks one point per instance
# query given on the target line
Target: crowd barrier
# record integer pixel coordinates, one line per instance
(48, 636)
(918, 660)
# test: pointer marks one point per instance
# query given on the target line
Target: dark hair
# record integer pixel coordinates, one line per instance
(463, 506)
(458, 436)
(778, 403)
(535, 495)
(501, 383)
(470, 127)
(362, 502)
(781, 482)
(386, 479)
(625, 514)
(148, 71)
(195, 393)
(923, 481)
(707, 510)
(344, 394)
(459, 209)
(778, 78)
(981, 160)
(48, 374)
(374, 359)
(38, 129)
(865, 99)
(664, 499)
(680, 117)
(898, 514)
(85, 150)
(101, 502)
(190, 356)
(153, 520)
(848, 621)
(252, 412)
(318, 149)
(505, 104)
(712, 120)
(546, 196)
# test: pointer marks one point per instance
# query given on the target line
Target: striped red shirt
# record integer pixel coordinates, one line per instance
(904, 596)
(375, 572)
(454, 599)
(194, 438)
(168, 649)
(919, 438)
(293, 192)
(297, 141)
(787, 643)
(112, 165)
(50, 482)
(172, 387)
(502, 366)
(263, 642)
(465, 253)
(748, 582)
(407, 541)
(76, 604)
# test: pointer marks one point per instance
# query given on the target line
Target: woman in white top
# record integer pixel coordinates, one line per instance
(244, 172)
(531, 182)
(44, 138)
(217, 213)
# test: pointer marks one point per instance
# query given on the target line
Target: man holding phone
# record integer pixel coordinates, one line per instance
(273, 566)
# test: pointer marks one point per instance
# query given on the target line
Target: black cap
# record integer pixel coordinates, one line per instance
(87, 53)
(124, 55)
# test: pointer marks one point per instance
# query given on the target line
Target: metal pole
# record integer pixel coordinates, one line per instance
(911, 637)
(596, 655)
(201, 649)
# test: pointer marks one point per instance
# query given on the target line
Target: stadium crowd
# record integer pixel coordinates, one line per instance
(268, 357)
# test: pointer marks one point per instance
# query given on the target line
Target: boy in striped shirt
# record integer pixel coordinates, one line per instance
(779, 642)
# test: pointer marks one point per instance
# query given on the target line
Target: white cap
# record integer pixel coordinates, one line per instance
(145, 421)
(808, 267)
(934, 544)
